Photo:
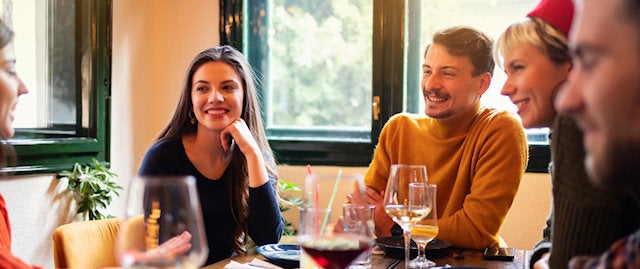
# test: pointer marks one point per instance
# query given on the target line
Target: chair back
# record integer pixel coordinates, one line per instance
(86, 244)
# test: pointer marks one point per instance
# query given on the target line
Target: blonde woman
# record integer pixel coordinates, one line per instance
(584, 219)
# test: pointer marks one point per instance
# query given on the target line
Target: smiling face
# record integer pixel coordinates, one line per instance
(217, 95)
(448, 87)
(603, 92)
(532, 81)
(11, 87)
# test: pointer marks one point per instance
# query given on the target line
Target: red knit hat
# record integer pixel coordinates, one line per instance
(558, 13)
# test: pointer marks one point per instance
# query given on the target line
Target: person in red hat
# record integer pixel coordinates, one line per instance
(585, 219)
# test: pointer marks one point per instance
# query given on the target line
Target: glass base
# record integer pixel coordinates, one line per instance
(421, 262)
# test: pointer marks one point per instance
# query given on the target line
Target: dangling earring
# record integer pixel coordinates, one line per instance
(192, 117)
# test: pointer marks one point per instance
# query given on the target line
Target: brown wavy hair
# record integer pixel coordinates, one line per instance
(467, 41)
(7, 154)
(180, 126)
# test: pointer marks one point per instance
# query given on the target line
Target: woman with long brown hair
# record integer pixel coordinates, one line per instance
(216, 134)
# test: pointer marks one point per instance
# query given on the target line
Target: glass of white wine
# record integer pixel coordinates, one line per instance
(424, 231)
(406, 200)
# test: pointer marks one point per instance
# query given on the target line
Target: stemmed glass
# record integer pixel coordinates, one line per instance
(163, 225)
(424, 231)
(406, 200)
(322, 242)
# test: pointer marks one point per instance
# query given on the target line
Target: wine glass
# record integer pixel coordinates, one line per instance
(163, 225)
(406, 200)
(424, 231)
(323, 242)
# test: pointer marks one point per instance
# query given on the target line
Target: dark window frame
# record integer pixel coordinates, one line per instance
(295, 146)
(57, 148)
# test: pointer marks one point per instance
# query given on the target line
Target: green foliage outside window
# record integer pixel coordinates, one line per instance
(320, 63)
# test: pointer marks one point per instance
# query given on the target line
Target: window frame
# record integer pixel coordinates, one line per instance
(46, 150)
(389, 82)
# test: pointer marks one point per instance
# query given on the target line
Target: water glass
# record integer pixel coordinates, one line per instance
(358, 218)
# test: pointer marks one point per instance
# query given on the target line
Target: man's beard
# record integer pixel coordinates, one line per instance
(620, 167)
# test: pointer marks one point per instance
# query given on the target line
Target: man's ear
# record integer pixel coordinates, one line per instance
(485, 82)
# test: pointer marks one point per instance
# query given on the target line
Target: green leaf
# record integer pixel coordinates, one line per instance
(92, 185)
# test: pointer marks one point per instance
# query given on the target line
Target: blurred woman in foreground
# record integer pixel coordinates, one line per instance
(11, 87)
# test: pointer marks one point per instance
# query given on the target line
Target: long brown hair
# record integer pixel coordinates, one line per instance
(180, 125)
(7, 154)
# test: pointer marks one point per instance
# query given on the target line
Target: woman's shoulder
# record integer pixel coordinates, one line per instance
(164, 149)
(167, 144)
(163, 157)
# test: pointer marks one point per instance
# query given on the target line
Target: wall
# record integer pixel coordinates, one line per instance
(153, 42)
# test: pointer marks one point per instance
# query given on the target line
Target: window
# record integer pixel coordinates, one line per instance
(333, 72)
(63, 53)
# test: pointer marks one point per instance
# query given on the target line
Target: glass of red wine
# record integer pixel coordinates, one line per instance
(323, 241)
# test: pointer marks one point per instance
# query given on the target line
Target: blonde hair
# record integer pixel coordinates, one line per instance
(536, 32)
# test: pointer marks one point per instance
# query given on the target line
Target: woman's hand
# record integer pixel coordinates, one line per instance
(238, 133)
(543, 262)
(242, 138)
(167, 251)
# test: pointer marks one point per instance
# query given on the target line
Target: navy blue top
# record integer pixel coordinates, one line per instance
(265, 223)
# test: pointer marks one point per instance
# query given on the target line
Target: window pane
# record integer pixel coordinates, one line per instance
(45, 45)
(491, 17)
(63, 51)
(320, 65)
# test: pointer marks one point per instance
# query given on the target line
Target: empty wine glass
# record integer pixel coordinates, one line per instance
(405, 199)
(163, 225)
(424, 231)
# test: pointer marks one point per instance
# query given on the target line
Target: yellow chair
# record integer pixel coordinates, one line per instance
(86, 244)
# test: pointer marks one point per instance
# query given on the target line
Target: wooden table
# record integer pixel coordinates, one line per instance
(453, 257)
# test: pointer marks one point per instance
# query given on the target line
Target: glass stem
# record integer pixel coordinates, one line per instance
(421, 254)
(407, 248)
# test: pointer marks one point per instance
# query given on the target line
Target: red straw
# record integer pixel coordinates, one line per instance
(317, 199)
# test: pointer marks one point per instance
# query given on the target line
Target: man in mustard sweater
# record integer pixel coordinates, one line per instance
(475, 155)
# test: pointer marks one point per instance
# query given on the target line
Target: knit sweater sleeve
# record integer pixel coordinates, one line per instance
(265, 221)
(378, 172)
(544, 245)
(494, 162)
(7, 260)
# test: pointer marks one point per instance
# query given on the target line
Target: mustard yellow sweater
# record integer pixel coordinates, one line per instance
(477, 160)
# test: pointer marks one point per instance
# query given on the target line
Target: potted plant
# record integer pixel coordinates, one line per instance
(288, 197)
(93, 188)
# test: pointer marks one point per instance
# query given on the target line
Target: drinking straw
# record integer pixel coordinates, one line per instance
(317, 197)
(333, 195)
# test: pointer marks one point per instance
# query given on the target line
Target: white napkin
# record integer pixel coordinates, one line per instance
(255, 263)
